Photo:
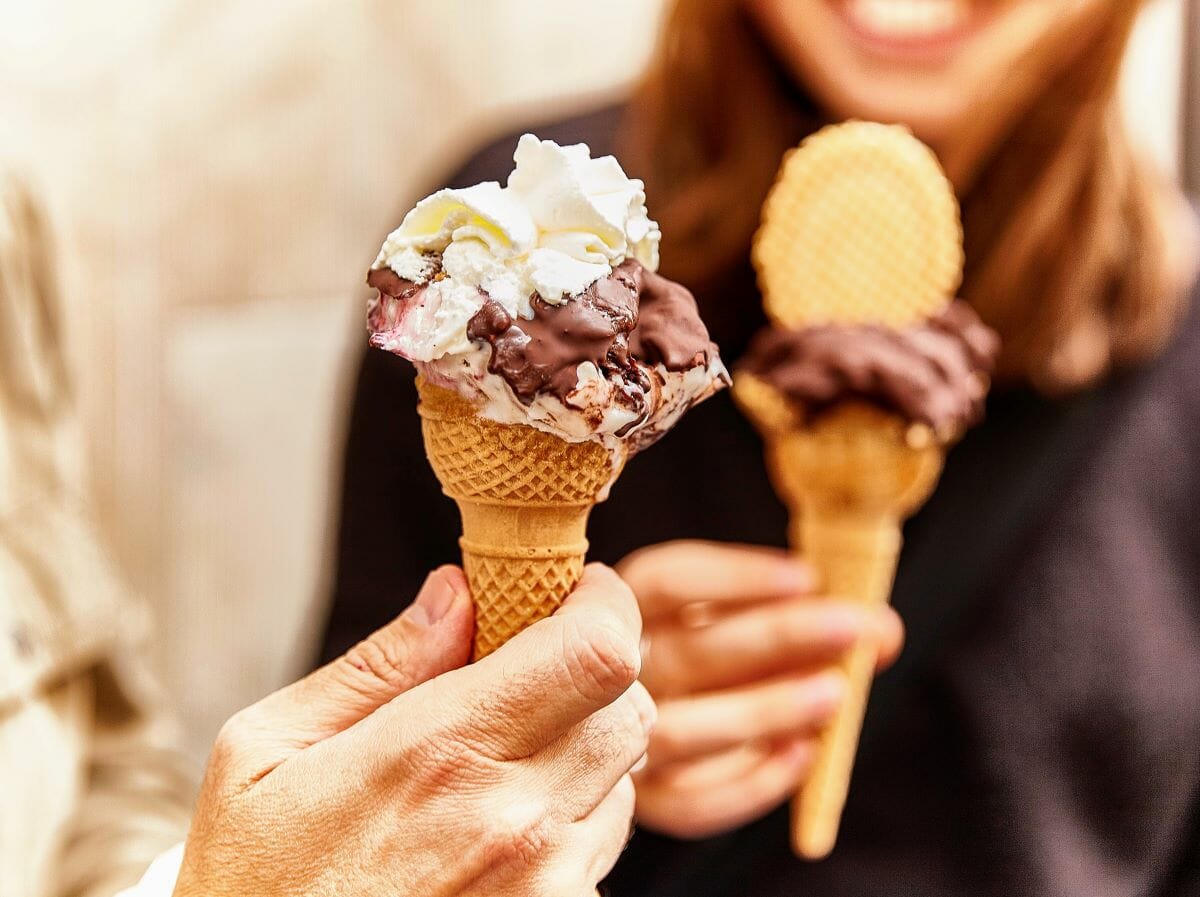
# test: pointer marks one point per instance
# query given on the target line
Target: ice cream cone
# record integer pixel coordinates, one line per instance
(849, 478)
(524, 497)
(860, 229)
(548, 350)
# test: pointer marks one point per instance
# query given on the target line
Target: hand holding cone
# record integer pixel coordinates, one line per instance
(861, 230)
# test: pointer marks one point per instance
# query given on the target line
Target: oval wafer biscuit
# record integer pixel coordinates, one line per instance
(861, 227)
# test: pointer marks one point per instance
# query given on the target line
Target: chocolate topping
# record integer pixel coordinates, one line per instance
(935, 373)
(544, 353)
(631, 316)
(388, 281)
(669, 330)
(624, 324)
(392, 284)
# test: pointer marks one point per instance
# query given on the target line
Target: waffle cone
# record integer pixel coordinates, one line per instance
(861, 226)
(856, 557)
(524, 497)
(850, 477)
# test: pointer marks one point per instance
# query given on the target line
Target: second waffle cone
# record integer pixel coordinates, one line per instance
(524, 497)
(850, 478)
(857, 560)
(861, 227)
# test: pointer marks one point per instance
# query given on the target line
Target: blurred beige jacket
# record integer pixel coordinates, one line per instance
(89, 790)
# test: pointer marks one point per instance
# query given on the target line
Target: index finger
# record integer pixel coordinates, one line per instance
(549, 678)
(668, 577)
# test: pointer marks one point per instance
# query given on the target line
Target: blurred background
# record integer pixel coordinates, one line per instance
(220, 175)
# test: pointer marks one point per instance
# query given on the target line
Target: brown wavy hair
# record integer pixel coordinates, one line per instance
(1070, 236)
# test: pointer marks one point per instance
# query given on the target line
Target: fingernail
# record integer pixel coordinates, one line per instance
(825, 694)
(639, 766)
(798, 753)
(795, 576)
(843, 626)
(881, 627)
(435, 599)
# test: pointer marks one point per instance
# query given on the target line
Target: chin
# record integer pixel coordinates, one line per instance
(930, 111)
(894, 61)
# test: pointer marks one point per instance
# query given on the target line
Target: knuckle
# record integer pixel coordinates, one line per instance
(230, 734)
(615, 736)
(602, 660)
(449, 763)
(235, 734)
(519, 834)
(378, 660)
(600, 738)
(606, 583)
(233, 746)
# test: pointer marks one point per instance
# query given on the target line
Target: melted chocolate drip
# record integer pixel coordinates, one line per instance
(628, 317)
(935, 373)
(624, 324)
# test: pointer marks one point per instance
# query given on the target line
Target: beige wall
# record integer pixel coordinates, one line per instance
(222, 173)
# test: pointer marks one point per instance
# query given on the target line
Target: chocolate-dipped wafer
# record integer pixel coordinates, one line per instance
(870, 370)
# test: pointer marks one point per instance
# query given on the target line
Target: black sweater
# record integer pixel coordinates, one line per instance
(1041, 733)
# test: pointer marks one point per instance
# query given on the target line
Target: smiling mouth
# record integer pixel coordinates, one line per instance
(909, 29)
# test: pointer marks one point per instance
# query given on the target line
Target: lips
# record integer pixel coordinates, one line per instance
(908, 27)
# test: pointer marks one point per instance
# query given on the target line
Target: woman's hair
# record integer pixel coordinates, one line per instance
(1067, 232)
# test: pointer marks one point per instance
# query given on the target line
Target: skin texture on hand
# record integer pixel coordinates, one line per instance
(738, 649)
(398, 770)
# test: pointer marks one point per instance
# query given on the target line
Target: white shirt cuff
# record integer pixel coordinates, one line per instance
(159, 880)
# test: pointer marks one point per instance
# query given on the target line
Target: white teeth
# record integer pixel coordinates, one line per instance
(907, 19)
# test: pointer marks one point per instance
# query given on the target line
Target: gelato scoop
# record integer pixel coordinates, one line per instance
(538, 302)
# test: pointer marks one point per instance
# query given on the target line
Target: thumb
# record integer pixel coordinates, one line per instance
(431, 637)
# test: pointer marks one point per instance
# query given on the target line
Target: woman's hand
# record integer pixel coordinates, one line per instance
(392, 771)
(737, 653)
